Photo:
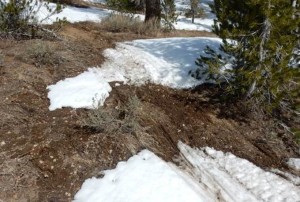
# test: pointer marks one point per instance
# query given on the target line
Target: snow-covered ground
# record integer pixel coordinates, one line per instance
(294, 163)
(204, 175)
(202, 24)
(73, 14)
(97, 1)
(161, 61)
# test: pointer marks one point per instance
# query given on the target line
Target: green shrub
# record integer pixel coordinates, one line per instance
(169, 15)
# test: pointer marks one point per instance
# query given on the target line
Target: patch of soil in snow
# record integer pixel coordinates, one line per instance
(45, 155)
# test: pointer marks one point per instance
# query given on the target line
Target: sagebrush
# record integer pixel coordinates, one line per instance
(42, 53)
(121, 119)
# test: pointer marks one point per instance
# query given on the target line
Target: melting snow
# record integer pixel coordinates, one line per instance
(160, 61)
(208, 175)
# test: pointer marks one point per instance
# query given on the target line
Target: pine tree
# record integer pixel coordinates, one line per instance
(194, 8)
(261, 38)
(168, 14)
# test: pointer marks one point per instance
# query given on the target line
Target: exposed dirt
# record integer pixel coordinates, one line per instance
(45, 155)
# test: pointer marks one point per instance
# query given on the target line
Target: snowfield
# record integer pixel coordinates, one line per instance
(161, 61)
(204, 175)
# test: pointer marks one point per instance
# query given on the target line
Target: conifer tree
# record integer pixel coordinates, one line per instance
(194, 8)
(168, 14)
(260, 39)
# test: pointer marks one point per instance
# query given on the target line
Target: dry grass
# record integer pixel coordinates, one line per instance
(118, 120)
(42, 53)
(129, 122)
(129, 23)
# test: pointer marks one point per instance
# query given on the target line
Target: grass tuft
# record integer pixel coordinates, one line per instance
(129, 23)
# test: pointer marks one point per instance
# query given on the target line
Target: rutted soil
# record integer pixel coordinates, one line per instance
(45, 155)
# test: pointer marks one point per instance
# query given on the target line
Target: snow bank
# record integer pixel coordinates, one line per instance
(236, 179)
(160, 61)
(143, 178)
(207, 175)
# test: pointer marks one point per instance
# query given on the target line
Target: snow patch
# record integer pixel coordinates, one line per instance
(161, 61)
(143, 178)
(74, 14)
(294, 163)
(83, 91)
(204, 175)
(236, 179)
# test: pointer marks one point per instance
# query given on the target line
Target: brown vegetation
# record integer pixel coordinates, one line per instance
(129, 23)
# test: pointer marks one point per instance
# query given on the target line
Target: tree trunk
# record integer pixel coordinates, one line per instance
(153, 10)
(194, 8)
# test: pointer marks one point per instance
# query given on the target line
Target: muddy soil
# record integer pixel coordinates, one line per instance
(46, 155)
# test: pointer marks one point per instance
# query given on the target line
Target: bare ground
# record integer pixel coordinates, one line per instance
(46, 155)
